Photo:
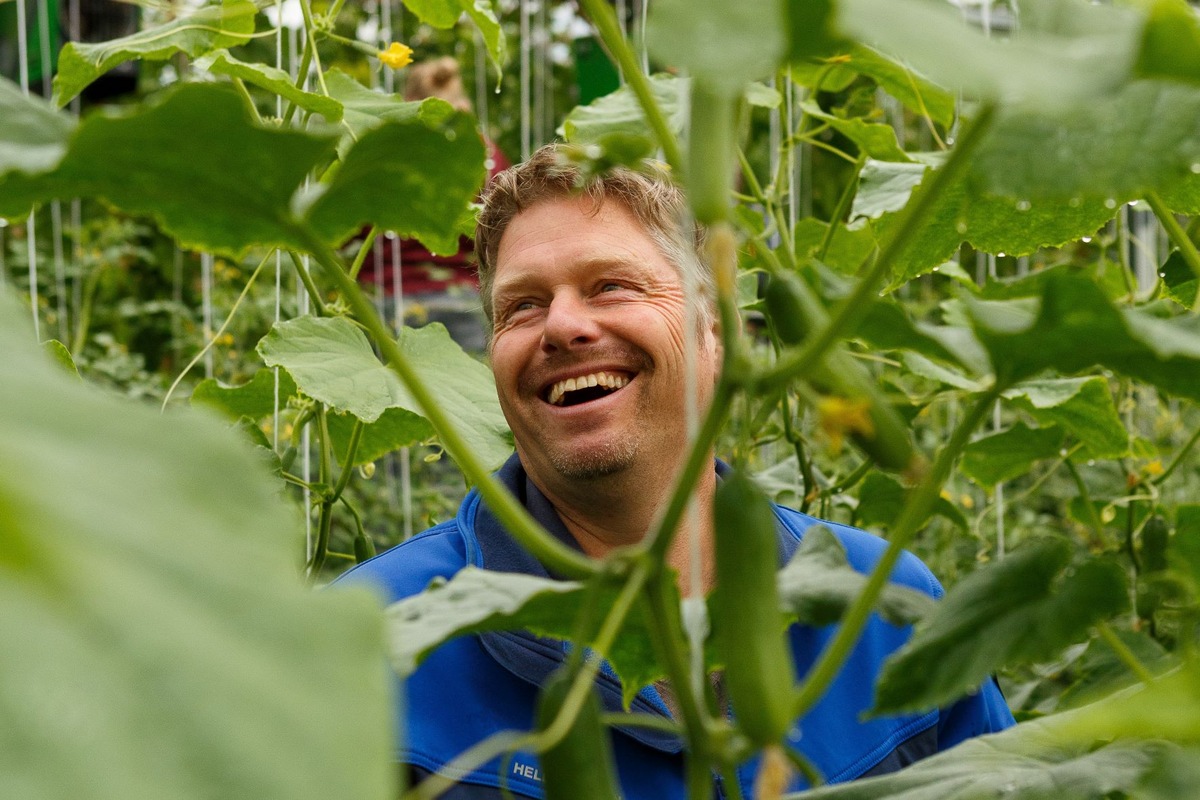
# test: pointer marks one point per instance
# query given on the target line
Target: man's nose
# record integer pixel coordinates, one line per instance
(570, 323)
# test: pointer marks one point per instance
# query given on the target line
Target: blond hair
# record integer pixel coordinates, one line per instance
(655, 202)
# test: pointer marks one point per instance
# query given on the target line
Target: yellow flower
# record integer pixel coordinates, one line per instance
(839, 416)
(1154, 468)
(396, 56)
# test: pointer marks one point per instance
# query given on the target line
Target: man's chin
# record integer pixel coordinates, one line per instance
(593, 464)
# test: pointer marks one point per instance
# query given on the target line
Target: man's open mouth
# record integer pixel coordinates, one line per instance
(573, 391)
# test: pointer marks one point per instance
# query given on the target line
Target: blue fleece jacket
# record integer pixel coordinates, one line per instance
(474, 686)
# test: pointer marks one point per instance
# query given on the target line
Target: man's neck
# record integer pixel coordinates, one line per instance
(621, 510)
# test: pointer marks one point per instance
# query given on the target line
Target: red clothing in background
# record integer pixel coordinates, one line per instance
(422, 272)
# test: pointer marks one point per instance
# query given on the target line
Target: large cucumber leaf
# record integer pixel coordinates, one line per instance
(209, 28)
(331, 361)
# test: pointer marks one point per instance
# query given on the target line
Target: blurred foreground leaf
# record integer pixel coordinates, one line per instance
(157, 639)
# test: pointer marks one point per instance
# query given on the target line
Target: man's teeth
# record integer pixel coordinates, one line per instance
(606, 379)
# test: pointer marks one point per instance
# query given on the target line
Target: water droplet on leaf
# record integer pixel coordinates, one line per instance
(1023, 205)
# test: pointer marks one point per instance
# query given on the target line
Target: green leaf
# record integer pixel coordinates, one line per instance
(1175, 775)
(810, 29)
(1098, 151)
(1179, 280)
(818, 585)
(898, 78)
(1032, 761)
(885, 186)
(1166, 708)
(34, 136)
(1022, 609)
(620, 112)
(989, 222)
(1087, 49)
(882, 498)
(331, 361)
(463, 387)
(725, 44)
(211, 27)
(61, 356)
(255, 399)
(476, 600)
(273, 80)
(158, 642)
(473, 601)
(365, 108)
(395, 428)
(763, 96)
(848, 249)
(194, 161)
(875, 139)
(1082, 406)
(1171, 42)
(483, 14)
(1010, 453)
(408, 177)
(1073, 327)
(445, 14)
(885, 325)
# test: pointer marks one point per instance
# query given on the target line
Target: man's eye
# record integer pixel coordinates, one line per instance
(611, 287)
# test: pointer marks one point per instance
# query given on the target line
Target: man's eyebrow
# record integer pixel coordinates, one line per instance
(519, 277)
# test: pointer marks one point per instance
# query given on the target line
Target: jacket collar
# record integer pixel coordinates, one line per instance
(533, 658)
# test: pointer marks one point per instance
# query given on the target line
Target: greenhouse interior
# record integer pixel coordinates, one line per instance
(600, 398)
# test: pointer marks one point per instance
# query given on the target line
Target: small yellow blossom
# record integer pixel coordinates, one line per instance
(1154, 468)
(839, 416)
(397, 55)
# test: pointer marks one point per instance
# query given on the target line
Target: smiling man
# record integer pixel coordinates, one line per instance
(593, 333)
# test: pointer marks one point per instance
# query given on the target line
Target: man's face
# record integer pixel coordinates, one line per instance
(589, 342)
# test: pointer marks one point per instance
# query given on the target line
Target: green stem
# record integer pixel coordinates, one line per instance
(911, 219)
(1175, 231)
(557, 556)
(301, 79)
(803, 766)
(468, 760)
(848, 482)
(1178, 459)
(348, 462)
(245, 93)
(325, 520)
(310, 33)
(670, 644)
(1086, 497)
(361, 256)
(219, 332)
(843, 206)
(699, 457)
(915, 511)
(604, 18)
(1126, 656)
(648, 721)
(85, 310)
(314, 294)
(802, 461)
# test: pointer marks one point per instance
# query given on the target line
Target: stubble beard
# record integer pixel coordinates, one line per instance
(598, 462)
